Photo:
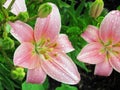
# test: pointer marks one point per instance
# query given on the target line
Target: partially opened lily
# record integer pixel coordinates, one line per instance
(104, 45)
(18, 6)
(43, 49)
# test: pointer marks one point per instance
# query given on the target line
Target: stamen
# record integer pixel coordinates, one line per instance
(46, 56)
(42, 42)
(55, 54)
(48, 40)
(55, 44)
(44, 47)
(52, 45)
(42, 51)
(108, 43)
(50, 49)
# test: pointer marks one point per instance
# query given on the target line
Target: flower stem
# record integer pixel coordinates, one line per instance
(32, 18)
(9, 7)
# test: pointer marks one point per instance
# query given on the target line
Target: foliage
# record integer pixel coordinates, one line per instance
(29, 86)
(65, 87)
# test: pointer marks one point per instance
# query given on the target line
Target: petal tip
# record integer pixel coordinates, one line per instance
(102, 74)
(75, 80)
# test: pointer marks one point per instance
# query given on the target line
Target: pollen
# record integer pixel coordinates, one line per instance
(45, 47)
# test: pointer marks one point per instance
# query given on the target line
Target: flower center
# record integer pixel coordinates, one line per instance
(109, 49)
(44, 47)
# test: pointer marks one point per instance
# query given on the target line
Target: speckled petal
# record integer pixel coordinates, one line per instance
(24, 56)
(115, 62)
(36, 75)
(22, 31)
(103, 69)
(91, 34)
(62, 69)
(110, 27)
(48, 27)
(91, 53)
(64, 44)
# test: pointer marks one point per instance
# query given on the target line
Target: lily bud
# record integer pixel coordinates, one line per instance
(44, 10)
(18, 73)
(21, 76)
(14, 74)
(96, 8)
(19, 69)
(7, 43)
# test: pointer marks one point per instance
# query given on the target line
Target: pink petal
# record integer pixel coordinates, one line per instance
(91, 54)
(25, 56)
(61, 68)
(18, 6)
(115, 62)
(36, 75)
(21, 31)
(64, 44)
(91, 34)
(110, 27)
(103, 69)
(48, 27)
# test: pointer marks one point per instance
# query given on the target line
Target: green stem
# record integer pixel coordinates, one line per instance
(32, 18)
(9, 7)
(31, 2)
(29, 19)
(4, 12)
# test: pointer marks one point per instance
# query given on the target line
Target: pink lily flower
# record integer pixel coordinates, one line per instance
(104, 45)
(43, 50)
(18, 6)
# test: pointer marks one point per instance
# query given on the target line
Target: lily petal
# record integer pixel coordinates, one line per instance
(110, 27)
(91, 34)
(91, 54)
(24, 56)
(64, 44)
(103, 69)
(48, 27)
(18, 6)
(36, 75)
(115, 62)
(21, 31)
(61, 68)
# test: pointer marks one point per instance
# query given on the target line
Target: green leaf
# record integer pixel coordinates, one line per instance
(2, 59)
(5, 79)
(4, 70)
(2, 1)
(66, 87)
(80, 8)
(73, 30)
(46, 84)
(29, 86)
(63, 4)
(1, 87)
(1, 16)
(7, 83)
(118, 8)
